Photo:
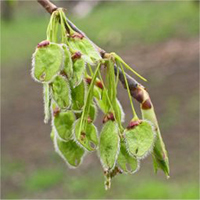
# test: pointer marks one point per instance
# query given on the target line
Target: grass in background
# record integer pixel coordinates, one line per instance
(140, 22)
(111, 24)
(20, 36)
(66, 185)
(43, 179)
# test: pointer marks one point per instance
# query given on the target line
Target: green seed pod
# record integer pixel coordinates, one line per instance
(109, 145)
(61, 92)
(87, 49)
(47, 62)
(63, 122)
(93, 112)
(78, 94)
(79, 70)
(119, 112)
(47, 102)
(126, 162)
(86, 135)
(97, 92)
(103, 103)
(68, 65)
(69, 151)
(140, 139)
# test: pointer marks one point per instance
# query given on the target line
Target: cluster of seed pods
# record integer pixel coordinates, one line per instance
(70, 71)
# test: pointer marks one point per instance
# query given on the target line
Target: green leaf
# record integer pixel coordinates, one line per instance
(126, 162)
(86, 135)
(68, 65)
(47, 62)
(109, 145)
(78, 94)
(61, 92)
(110, 81)
(79, 70)
(63, 124)
(47, 102)
(87, 49)
(70, 152)
(140, 139)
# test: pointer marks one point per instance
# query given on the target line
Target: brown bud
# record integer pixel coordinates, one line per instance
(88, 80)
(56, 111)
(133, 124)
(43, 44)
(105, 172)
(111, 116)
(137, 93)
(77, 35)
(63, 74)
(82, 136)
(108, 117)
(76, 55)
(147, 104)
(89, 120)
(115, 171)
(99, 84)
(105, 119)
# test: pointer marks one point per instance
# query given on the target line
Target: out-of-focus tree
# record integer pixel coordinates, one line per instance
(8, 7)
(80, 8)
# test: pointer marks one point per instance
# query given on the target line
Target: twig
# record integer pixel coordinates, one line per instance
(133, 84)
(50, 7)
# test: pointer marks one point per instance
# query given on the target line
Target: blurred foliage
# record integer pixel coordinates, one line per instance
(43, 179)
(140, 22)
(111, 25)
(87, 186)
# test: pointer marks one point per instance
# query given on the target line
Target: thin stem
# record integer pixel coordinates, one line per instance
(49, 29)
(128, 67)
(63, 30)
(90, 69)
(117, 77)
(129, 93)
(101, 79)
(88, 96)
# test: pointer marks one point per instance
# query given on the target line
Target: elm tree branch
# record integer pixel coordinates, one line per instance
(138, 92)
(133, 84)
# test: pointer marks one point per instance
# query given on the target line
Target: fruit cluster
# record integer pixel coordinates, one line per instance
(70, 69)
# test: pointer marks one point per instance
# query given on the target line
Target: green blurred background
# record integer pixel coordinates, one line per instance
(159, 40)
